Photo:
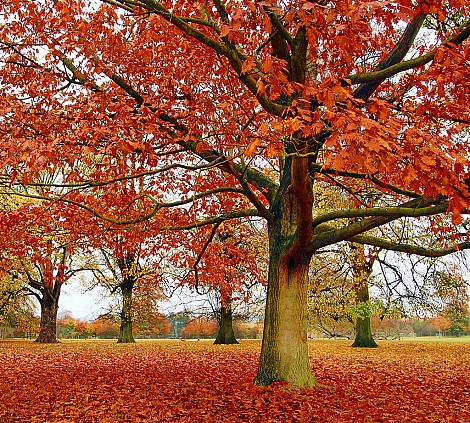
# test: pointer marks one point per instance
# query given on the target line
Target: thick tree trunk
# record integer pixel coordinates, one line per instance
(48, 326)
(364, 336)
(284, 355)
(125, 330)
(225, 335)
(284, 352)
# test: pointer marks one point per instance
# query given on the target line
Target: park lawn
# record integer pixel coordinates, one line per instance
(177, 381)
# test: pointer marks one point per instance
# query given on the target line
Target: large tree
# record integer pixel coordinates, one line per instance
(237, 109)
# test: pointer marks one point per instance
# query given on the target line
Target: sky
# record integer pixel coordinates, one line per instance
(89, 304)
(84, 305)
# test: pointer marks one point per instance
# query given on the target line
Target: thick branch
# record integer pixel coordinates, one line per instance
(383, 74)
(395, 56)
(395, 212)
(315, 168)
(259, 180)
(409, 248)
(327, 234)
(201, 253)
(233, 54)
(279, 28)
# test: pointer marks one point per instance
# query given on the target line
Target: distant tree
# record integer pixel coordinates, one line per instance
(44, 275)
(362, 265)
(106, 327)
(200, 327)
(423, 327)
(226, 269)
(441, 323)
(120, 268)
(148, 321)
(178, 322)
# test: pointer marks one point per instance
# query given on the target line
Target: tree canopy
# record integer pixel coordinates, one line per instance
(188, 114)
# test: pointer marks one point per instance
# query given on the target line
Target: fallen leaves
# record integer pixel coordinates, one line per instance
(173, 381)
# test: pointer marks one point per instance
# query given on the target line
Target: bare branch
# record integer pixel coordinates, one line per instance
(201, 253)
(326, 234)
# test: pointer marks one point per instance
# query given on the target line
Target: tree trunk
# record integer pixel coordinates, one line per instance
(362, 271)
(225, 334)
(364, 336)
(48, 325)
(284, 351)
(125, 330)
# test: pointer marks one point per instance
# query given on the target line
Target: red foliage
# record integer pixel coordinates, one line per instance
(200, 327)
(174, 381)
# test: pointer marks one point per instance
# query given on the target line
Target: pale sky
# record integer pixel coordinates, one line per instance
(83, 305)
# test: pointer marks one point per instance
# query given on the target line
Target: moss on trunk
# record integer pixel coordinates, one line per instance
(362, 269)
(284, 352)
(364, 338)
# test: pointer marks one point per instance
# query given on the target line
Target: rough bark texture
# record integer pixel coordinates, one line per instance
(125, 330)
(48, 327)
(225, 335)
(284, 353)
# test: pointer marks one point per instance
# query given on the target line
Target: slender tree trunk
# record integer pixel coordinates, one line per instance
(284, 352)
(48, 325)
(362, 271)
(364, 336)
(125, 330)
(225, 335)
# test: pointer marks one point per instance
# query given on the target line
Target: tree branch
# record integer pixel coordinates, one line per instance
(383, 74)
(409, 248)
(201, 253)
(325, 234)
(279, 26)
(402, 47)
(395, 212)
(216, 219)
(315, 168)
(233, 54)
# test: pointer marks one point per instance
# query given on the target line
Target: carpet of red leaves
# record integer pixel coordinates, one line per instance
(175, 381)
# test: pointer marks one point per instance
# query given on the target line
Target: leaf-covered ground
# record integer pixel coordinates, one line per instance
(175, 381)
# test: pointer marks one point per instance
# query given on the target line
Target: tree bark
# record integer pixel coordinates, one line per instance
(48, 326)
(364, 338)
(125, 330)
(362, 271)
(284, 351)
(225, 335)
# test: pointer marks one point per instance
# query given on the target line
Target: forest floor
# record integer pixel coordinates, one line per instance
(175, 381)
